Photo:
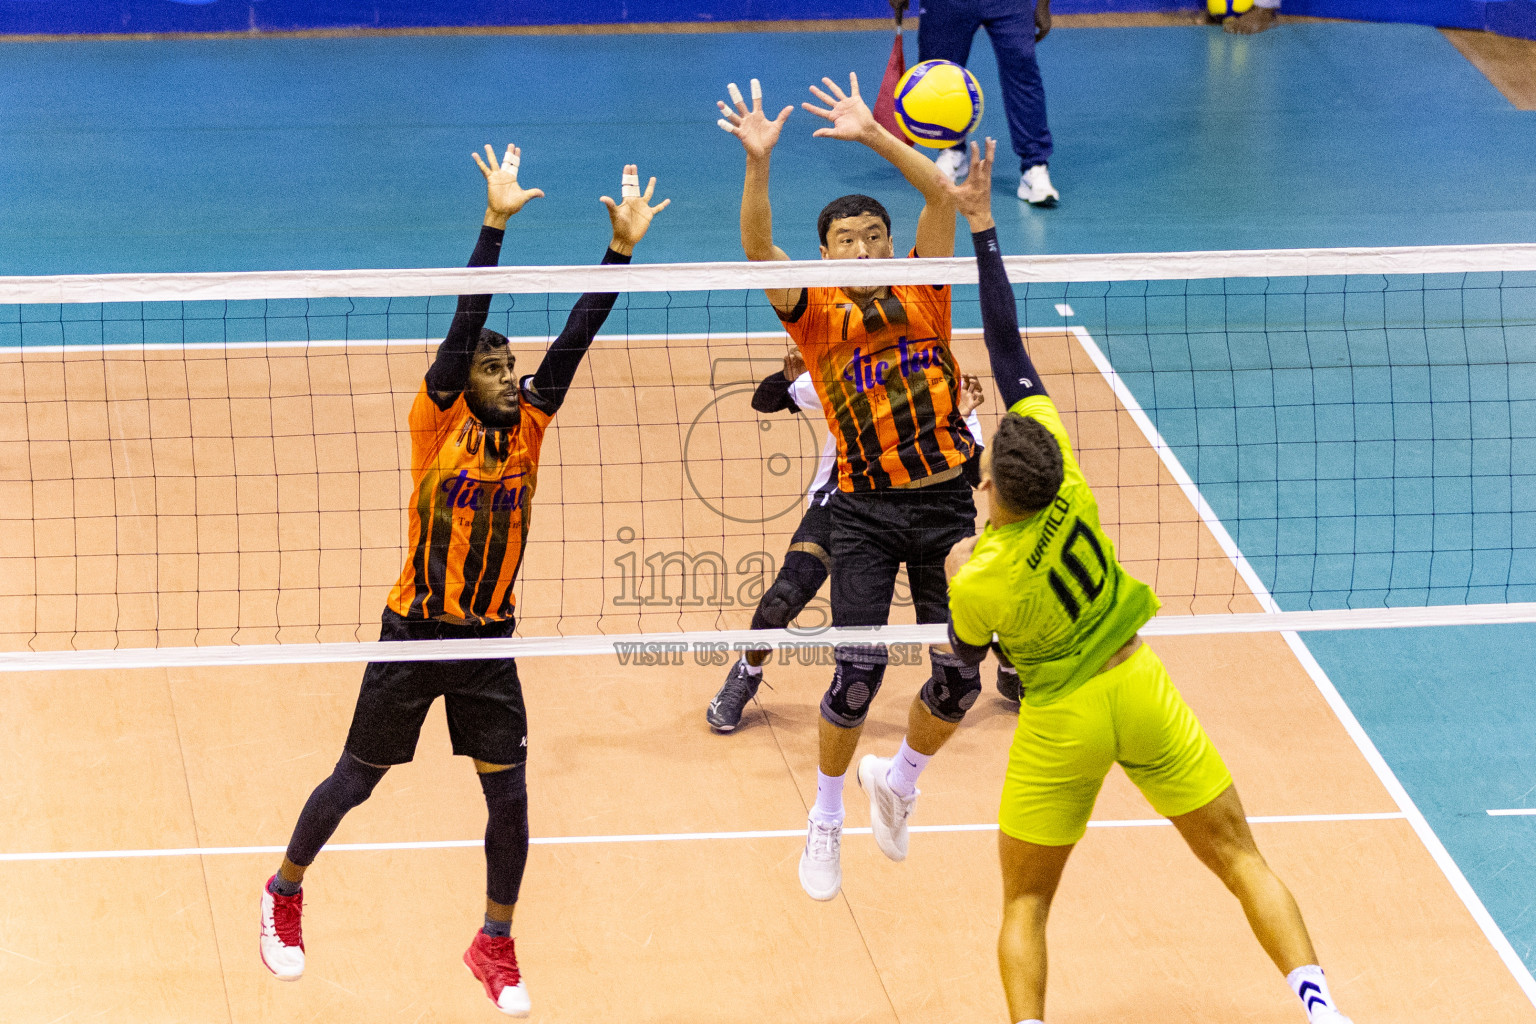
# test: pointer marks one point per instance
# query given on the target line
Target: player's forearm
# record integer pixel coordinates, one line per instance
(756, 211)
(1011, 366)
(772, 395)
(450, 370)
(553, 378)
(919, 171)
(968, 653)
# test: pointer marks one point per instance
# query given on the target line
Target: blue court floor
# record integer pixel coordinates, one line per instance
(284, 154)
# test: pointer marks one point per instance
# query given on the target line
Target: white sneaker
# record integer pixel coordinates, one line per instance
(1330, 1017)
(955, 163)
(282, 937)
(1035, 187)
(821, 868)
(888, 811)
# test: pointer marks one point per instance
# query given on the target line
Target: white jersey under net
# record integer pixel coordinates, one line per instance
(803, 393)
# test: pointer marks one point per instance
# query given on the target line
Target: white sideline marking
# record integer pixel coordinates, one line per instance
(1514, 812)
(1357, 733)
(1062, 309)
(663, 837)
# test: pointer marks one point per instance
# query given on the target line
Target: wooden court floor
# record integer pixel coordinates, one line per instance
(675, 917)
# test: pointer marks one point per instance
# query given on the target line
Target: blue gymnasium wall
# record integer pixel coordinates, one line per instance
(1510, 17)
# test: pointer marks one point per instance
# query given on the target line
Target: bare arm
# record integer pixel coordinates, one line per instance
(758, 136)
(851, 119)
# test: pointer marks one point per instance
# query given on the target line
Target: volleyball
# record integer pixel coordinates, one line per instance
(938, 103)
(1227, 8)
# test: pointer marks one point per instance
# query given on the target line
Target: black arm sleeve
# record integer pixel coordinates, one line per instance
(553, 378)
(1011, 368)
(449, 372)
(772, 395)
(968, 654)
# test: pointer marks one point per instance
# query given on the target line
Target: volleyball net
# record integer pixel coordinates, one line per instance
(207, 467)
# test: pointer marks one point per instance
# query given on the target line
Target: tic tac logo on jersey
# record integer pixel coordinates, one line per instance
(466, 492)
(866, 371)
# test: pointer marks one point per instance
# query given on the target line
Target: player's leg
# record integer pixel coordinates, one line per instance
(806, 566)
(391, 705)
(938, 519)
(487, 722)
(863, 581)
(1012, 33)
(1056, 765)
(1031, 874)
(1167, 753)
(945, 32)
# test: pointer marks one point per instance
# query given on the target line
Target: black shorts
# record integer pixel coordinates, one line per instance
(816, 525)
(874, 532)
(486, 719)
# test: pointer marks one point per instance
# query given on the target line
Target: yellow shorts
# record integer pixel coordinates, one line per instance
(1062, 751)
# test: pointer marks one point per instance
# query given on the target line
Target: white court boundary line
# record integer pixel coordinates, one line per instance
(1514, 812)
(662, 837)
(1411, 812)
(738, 276)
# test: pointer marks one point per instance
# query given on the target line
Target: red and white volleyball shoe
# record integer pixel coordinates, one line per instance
(282, 933)
(493, 960)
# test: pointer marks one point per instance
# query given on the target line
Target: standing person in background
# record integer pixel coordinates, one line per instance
(1262, 15)
(945, 32)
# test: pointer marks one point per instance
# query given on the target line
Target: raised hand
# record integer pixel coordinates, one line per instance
(758, 135)
(794, 363)
(632, 217)
(973, 198)
(971, 394)
(503, 195)
(850, 115)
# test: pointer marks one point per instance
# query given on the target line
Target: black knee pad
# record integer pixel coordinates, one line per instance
(352, 781)
(953, 687)
(507, 788)
(857, 678)
(797, 582)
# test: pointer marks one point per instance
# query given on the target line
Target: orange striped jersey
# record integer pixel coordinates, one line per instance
(469, 519)
(888, 383)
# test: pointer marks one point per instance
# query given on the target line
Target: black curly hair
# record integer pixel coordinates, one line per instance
(1026, 464)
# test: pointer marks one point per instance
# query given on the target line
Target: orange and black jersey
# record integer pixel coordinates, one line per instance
(888, 383)
(473, 486)
(474, 483)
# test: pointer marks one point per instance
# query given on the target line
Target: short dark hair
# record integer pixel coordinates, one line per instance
(849, 206)
(1026, 464)
(489, 341)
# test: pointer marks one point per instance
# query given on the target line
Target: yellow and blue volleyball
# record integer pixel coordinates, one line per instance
(1227, 8)
(938, 103)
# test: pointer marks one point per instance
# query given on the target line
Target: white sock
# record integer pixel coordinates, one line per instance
(906, 766)
(1032, 1020)
(749, 668)
(1311, 988)
(829, 798)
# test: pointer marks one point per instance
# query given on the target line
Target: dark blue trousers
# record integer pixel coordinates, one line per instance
(945, 33)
